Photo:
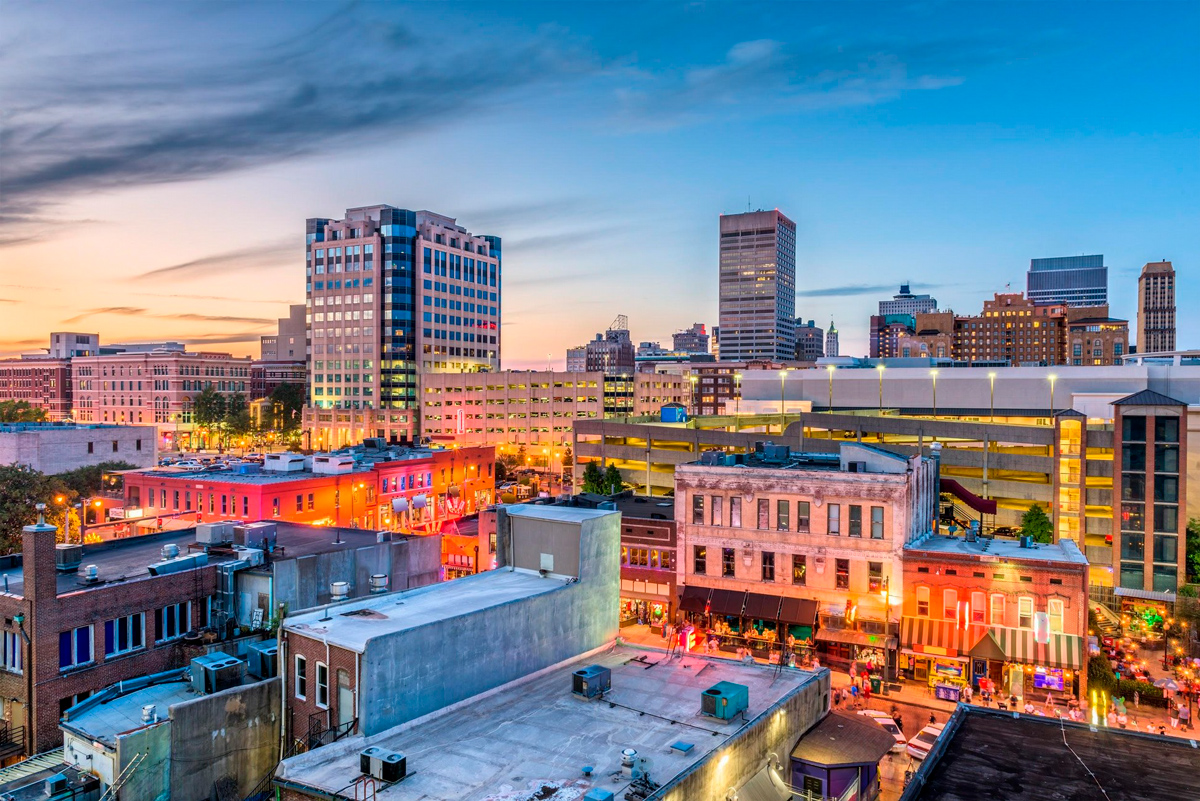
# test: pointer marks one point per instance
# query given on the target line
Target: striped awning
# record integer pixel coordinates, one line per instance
(1064, 651)
(923, 635)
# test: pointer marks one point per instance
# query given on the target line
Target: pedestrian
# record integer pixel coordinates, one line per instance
(853, 673)
(1112, 718)
(1162, 730)
(1174, 716)
(1185, 717)
(866, 692)
(932, 719)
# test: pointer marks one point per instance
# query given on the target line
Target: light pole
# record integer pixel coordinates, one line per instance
(1052, 378)
(693, 379)
(880, 368)
(782, 384)
(933, 375)
(737, 403)
(992, 395)
(829, 368)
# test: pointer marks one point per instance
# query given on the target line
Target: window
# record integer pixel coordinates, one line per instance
(322, 685)
(768, 566)
(1055, 609)
(801, 515)
(842, 574)
(855, 520)
(799, 569)
(764, 513)
(699, 560)
(876, 522)
(978, 608)
(12, 654)
(922, 602)
(950, 604)
(1025, 612)
(997, 611)
(301, 677)
(874, 576)
(300, 503)
(727, 562)
(124, 634)
(74, 647)
(1166, 548)
(274, 507)
(835, 519)
(1166, 429)
(312, 500)
(171, 621)
(783, 515)
(717, 511)
(698, 509)
(735, 512)
(1166, 518)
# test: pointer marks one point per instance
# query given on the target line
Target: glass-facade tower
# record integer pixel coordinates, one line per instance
(757, 286)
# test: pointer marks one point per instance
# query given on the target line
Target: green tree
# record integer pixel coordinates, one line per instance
(613, 483)
(1193, 551)
(568, 458)
(21, 489)
(1035, 524)
(593, 479)
(21, 411)
(208, 408)
(287, 407)
(86, 481)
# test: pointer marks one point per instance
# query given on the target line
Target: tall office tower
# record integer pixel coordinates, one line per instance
(394, 293)
(810, 341)
(1156, 308)
(831, 340)
(690, 340)
(757, 286)
(1071, 280)
(907, 303)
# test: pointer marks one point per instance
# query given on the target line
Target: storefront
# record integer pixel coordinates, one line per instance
(935, 653)
(1035, 670)
(728, 621)
(643, 611)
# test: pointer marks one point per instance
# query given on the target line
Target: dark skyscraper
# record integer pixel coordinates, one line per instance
(757, 286)
(1071, 280)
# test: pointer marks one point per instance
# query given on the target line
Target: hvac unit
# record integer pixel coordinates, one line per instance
(333, 465)
(215, 672)
(591, 681)
(214, 533)
(283, 463)
(55, 785)
(256, 535)
(178, 564)
(598, 794)
(252, 556)
(263, 659)
(379, 763)
(724, 700)
(68, 558)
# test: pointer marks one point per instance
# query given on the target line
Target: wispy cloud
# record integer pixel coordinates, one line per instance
(281, 253)
(135, 311)
(856, 289)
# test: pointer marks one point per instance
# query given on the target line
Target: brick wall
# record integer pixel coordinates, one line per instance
(304, 713)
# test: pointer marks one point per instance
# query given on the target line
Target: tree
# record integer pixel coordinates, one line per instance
(287, 407)
(89, 480)
(567, 458)
(1192, 568)
(593, 479)
(21, 489)
(21, 411)
(1035, 524)
(613, 483)
(208, 408)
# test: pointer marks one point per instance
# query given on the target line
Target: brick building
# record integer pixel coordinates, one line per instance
(45, 383)
(994, 609)
(718, 386)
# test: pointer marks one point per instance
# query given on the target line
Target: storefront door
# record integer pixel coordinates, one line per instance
(979, 670)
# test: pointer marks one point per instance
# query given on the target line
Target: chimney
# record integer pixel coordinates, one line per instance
(37, 558)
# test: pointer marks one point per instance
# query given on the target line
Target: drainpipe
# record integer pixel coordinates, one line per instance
(29, 709)
(284, 670)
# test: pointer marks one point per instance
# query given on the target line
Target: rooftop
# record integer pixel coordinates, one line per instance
(1055, 759)
(122, 714)
(843, 738)
(354, 623)
(532, 738)
(1064, 551)
(28, 428)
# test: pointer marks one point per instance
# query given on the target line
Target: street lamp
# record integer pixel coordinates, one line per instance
(933, 375)
(1052, 378)
(880, 368)
(830, 368)
(737, 413)
(782, 384)
(992, 395)
(693, 379)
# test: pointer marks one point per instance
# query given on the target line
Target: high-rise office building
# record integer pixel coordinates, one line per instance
(907, 303)
(288, 344)
(1071, 280)
(757, 286)
(831, 340)
(1156, 308)
(394, 293)
(690, 340)
(810, 341)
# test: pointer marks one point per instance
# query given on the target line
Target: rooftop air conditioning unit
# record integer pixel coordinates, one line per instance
(381, 764)
(724, 700)
(256, 535)
(55, 785)
(68, 558)
(214, 533)
(333, 465)
(215, 672)
(263, 659)
(591, 681)
(283, 463)
(253, 556)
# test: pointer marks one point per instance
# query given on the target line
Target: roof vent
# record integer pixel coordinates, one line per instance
(149, 713)
(379, 583)
(339, 590)
(91, 574)
(170, 551)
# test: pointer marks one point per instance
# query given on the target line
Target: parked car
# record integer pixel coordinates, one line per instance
(1005, 531)
(922, 743)
(889, 725)
(189, 464)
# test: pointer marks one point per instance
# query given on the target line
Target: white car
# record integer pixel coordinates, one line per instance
(189, 464)
(920, 745)
(888, 725)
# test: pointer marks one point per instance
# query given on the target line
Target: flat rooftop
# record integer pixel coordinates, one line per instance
(566, 514)
(352, 624)
(28, 428)
(1065, 551)
(1026, 758)
(532, 738)
(123, 714)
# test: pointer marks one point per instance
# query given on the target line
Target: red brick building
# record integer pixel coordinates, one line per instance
(44, 383)
(648, 557)
(994, 609)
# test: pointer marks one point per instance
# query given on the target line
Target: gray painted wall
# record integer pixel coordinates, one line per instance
(415, 672)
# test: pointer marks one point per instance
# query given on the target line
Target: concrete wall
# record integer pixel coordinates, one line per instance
(774, 731)
(421, 670)
(536, 537)
(228, 739)
(57, 450)
(151, 778)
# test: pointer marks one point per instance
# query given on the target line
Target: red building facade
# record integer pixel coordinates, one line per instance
(44, 383)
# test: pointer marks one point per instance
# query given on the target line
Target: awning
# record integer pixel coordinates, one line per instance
(762, 607)
(938, 637)
(727, 602)
(694, 599)
(852, 637)
(1063, 651)
(764, 786)
(989, 648)
(798, 611)
(1145, 595)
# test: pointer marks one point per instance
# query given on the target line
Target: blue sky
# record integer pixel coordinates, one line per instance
(159, 160)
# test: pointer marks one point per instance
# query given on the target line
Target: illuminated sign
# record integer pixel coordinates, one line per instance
(1041, 627)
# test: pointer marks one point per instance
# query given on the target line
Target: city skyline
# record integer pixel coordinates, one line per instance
(174, 207)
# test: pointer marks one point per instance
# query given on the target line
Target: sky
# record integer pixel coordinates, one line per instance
(158, 160)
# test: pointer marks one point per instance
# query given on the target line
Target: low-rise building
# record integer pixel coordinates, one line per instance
(42, 382)
(61, 447)
(1013, 613)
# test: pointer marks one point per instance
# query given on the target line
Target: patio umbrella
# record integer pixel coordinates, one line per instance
(1167, 684)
